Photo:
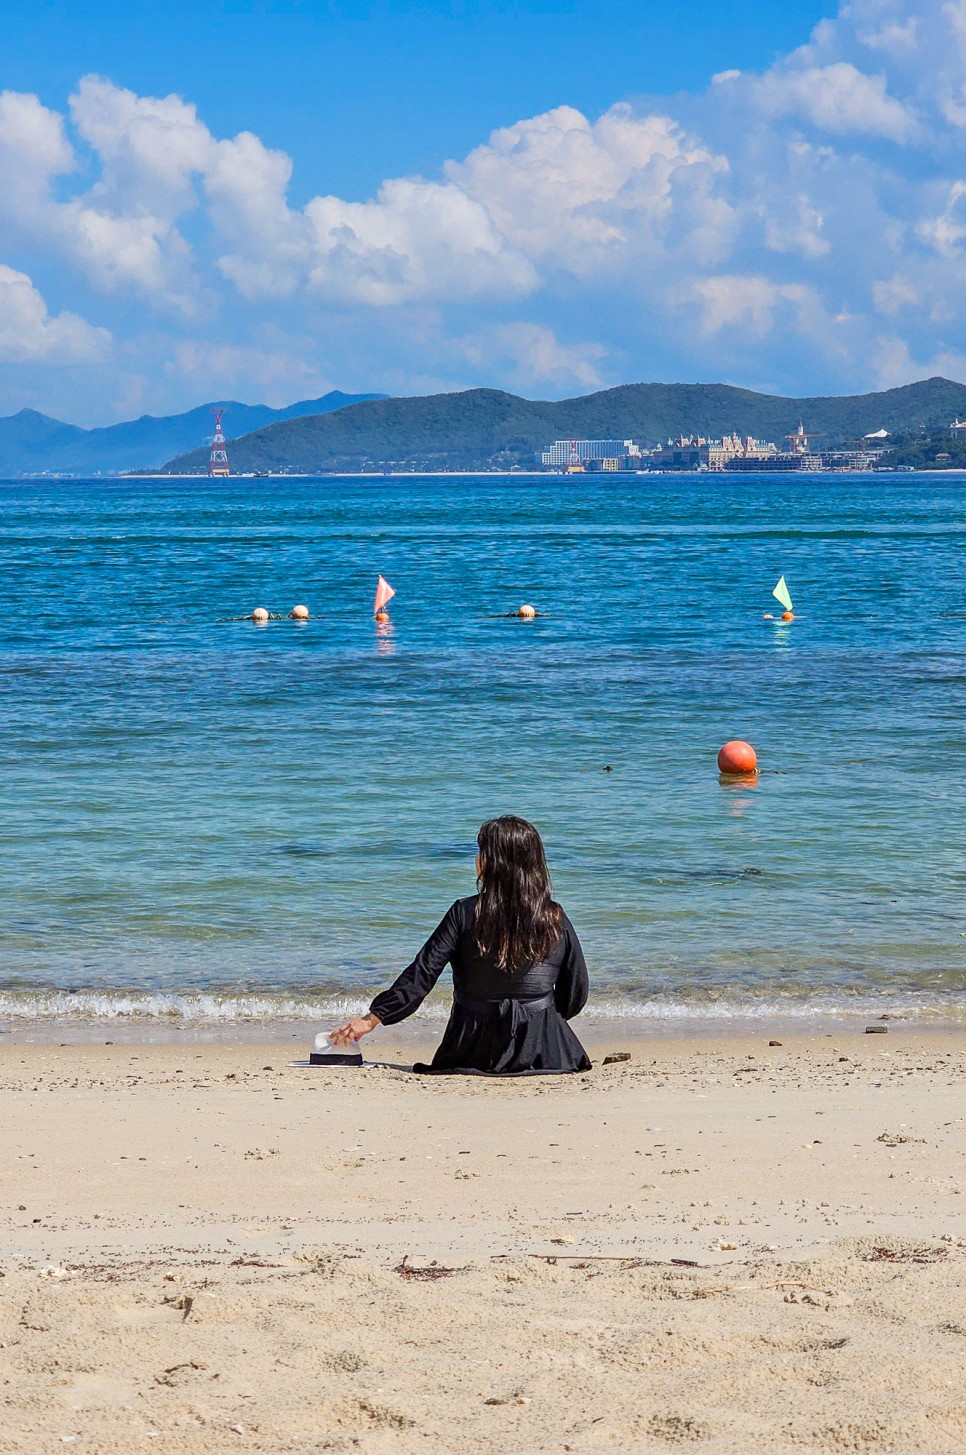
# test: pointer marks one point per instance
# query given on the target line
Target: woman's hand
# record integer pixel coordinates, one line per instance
(354, 1030)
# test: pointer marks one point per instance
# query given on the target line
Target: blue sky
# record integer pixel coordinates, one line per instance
(359, 92)
(266, 200)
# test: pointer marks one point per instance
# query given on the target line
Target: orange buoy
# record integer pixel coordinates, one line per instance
(299, 613)
(382, 616)
(737, 758)
(788, 616)
(260, 615)
(527, 612)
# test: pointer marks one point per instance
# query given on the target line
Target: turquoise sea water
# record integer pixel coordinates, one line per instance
(202, 815)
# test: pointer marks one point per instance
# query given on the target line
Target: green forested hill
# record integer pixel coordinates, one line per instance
(934, 450)
(487, 427)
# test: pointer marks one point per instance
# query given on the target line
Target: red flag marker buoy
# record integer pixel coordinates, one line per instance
(384, 593)
(737, 758)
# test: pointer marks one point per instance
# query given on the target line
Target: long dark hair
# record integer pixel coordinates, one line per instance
(517, 921)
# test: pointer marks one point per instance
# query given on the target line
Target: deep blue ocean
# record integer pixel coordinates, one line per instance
(205, 816)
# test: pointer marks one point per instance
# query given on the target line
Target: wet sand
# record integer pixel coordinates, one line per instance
(719, 1245)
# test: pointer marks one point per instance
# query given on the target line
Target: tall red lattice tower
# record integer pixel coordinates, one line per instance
(218, 460)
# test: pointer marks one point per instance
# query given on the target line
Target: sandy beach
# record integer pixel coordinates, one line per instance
(719, 1244)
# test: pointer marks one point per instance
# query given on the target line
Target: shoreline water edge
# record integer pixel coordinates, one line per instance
(602, 1031)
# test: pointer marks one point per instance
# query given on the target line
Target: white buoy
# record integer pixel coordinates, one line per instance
(300, 613)
(260, 615)
(527, 612)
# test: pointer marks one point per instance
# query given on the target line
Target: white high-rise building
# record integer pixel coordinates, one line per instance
(577, 452)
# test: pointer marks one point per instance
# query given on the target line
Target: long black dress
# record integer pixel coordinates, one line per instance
(500, 1023)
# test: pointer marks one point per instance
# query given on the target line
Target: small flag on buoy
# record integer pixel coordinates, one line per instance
(384, 593)
(780, 593)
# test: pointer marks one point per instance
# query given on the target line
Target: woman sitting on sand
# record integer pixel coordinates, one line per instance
(518, 970)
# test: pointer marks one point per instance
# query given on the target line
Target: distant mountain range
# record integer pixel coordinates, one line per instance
(475, 429)
(32, 443)
(485, 427)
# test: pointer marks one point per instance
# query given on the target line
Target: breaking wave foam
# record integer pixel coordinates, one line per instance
(197, 1008)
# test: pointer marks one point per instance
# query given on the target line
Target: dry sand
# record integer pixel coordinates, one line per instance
(203, 1249)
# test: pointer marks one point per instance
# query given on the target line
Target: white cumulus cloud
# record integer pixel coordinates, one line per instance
(33, 149)
(727, 300)
(150, 149)
(563, 188)
(120, 231)
(29, 333)
(530, 357)
(415, 240)
(838, 99)
(273, 372)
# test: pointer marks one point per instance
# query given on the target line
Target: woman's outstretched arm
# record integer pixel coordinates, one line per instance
(410, 989)
(572, 987)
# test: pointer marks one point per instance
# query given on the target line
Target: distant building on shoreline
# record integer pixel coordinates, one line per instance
(733, 447)
(695, 452)
(577, 454)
